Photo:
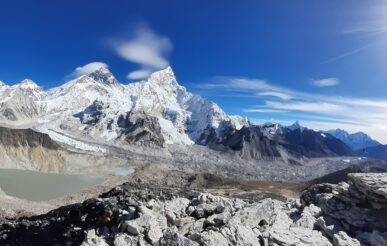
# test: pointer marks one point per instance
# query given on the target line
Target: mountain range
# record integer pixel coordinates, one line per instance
(157, 116)
(356, 141)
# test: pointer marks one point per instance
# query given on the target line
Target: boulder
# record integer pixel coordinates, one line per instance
(342, 239)
(171, 238)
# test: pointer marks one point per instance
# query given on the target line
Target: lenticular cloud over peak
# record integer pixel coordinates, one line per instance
(145, 48)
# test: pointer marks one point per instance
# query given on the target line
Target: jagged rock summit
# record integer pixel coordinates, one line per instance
(104, 76)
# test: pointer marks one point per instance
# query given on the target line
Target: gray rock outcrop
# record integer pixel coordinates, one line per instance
(353, 213)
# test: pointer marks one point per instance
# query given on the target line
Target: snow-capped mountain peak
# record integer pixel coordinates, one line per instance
(99, 107)
(165, 77)
(296, 125)
(2, 84)
(239, 121)
(103, 76)
(28, 84)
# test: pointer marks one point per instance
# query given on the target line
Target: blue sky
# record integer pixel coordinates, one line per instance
(321, 62)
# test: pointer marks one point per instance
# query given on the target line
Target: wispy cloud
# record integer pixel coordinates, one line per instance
(314, 109)
(344, 55)
(320, 107)
(277, 94)
(262, 110)
(146, 48)
(86, 69)
(370, 20)
(370, 23)
(329, 82)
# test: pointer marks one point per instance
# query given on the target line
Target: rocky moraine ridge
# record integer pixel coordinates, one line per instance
(138, 213)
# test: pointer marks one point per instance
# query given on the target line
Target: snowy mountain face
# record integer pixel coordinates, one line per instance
(20, 102)
(356, 141)
(156, 112)
(99, 107)
(273, 130)
(276, 131)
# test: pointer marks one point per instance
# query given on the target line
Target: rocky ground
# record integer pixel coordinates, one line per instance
(173, 211)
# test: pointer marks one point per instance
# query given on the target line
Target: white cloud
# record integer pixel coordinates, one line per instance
(145, 48)
(86, 69)
(317, 110)
(262, 110)
(314, 107)
(139, 74)
(329, 82)
(280, 95)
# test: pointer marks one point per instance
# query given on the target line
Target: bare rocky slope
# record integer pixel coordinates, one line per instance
(31, 150)
(142, 213)
(28, 149)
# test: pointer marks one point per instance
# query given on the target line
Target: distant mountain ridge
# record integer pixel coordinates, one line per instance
(306, 141)
(356, 141)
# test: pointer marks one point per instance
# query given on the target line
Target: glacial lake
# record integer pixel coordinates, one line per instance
(38, 186)
(122, 171)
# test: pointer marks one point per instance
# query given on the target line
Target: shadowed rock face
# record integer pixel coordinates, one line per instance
(251, 143)
(27, 149)
(92, 114)
(26, 138)
(378, 152)
(141, 129)
(313, 144)
(357, 208)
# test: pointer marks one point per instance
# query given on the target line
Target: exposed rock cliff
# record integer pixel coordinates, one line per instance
(353, 213)
(27, 149)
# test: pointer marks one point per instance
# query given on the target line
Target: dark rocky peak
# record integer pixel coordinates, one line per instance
(141, 128)
(310, 143)
(296, 125)
(103, 76)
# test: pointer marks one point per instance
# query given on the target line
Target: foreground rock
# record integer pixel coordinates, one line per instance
(353, 213)
(139, 214)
